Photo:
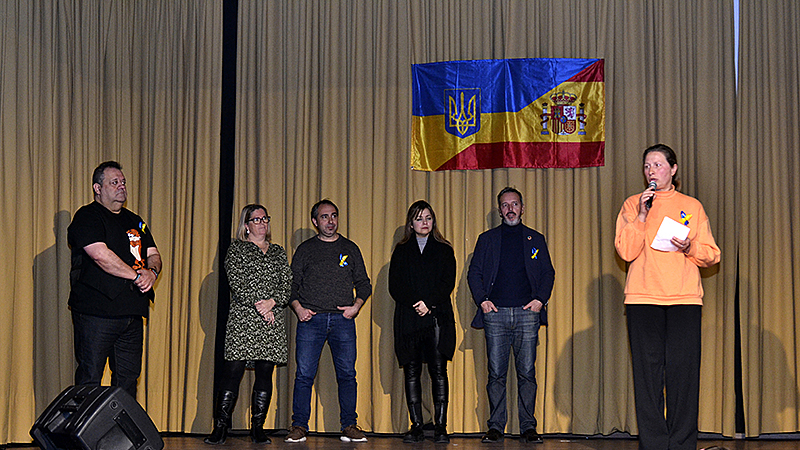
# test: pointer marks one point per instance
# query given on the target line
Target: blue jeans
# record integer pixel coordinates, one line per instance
(509, 329)
(116, 339)
(340, 333)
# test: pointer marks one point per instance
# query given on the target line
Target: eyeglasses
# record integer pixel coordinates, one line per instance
(258, 220)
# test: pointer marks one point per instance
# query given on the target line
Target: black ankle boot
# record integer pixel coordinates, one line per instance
(226, 400)
(440, 419)
(415, 434)
(258, 414)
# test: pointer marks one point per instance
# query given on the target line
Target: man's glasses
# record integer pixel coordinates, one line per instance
(257, 220)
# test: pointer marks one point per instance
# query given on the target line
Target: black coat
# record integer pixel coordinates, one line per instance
(429, 276)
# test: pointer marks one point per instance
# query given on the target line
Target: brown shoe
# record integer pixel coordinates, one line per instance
(353, 434)
(296, 434)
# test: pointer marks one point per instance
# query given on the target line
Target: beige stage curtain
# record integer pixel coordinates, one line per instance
(324, 97)
(82, 82)
(324, 111)
(769, 246)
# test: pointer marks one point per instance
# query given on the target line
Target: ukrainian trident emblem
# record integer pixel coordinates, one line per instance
(564, 117)
(463, 111)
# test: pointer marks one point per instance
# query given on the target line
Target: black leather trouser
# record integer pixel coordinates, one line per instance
(437, 369)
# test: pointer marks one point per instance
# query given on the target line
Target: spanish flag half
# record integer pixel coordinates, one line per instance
(486, 114)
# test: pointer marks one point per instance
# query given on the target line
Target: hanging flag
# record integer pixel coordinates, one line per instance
(487, 114)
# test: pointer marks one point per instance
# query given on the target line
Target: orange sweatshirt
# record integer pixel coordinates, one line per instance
(664, 278)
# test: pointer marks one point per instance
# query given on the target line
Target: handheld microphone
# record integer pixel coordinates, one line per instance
(649, 202)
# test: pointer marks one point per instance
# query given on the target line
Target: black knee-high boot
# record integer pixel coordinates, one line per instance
(440, 419)
(415, 434)
(226, 400)
(441, 393)
(411, 372)
(258, 415)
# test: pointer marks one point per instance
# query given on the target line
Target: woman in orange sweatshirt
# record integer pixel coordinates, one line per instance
(664, 298)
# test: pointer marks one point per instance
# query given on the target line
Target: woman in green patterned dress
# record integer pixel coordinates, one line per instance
(260, 281)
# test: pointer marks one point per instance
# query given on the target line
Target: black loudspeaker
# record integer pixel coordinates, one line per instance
(95, 418)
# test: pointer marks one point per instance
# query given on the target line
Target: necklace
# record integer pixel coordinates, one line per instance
(263, 246)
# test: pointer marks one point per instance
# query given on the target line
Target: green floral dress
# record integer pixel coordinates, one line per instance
(253, 276)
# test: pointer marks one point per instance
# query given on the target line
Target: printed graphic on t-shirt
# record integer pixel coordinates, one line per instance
(136, 248)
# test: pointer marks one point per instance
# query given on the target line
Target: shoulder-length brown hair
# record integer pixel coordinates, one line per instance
(415, 210)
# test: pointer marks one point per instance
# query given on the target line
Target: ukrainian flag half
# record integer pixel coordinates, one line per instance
(486, 114)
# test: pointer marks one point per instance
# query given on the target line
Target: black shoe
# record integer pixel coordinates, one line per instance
(414, 435)
(492, 436)
(440, 435)
(530, 436)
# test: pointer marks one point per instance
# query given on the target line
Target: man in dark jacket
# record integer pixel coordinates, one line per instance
(511, 278)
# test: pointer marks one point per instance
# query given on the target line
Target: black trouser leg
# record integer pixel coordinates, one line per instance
(262, 394)
(647, 334)
(437, 369)
(682, 375)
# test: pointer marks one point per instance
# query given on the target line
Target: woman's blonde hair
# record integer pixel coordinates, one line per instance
(247, 212)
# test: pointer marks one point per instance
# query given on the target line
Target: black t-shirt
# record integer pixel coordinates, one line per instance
(95, 292)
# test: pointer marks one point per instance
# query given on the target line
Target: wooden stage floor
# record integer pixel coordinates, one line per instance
(239, 440)
(460, 442)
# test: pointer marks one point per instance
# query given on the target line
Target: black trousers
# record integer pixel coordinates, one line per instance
(665, 353)
(437, 369)
(117, 340)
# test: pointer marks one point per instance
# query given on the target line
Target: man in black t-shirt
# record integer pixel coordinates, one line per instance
(115, 264)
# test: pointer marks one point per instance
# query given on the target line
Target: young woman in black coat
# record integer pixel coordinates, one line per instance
(422, 275)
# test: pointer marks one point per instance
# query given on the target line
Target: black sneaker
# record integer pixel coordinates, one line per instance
(530, 436)
(492, 436)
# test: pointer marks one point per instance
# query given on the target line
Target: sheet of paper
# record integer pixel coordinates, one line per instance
(669, 228)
